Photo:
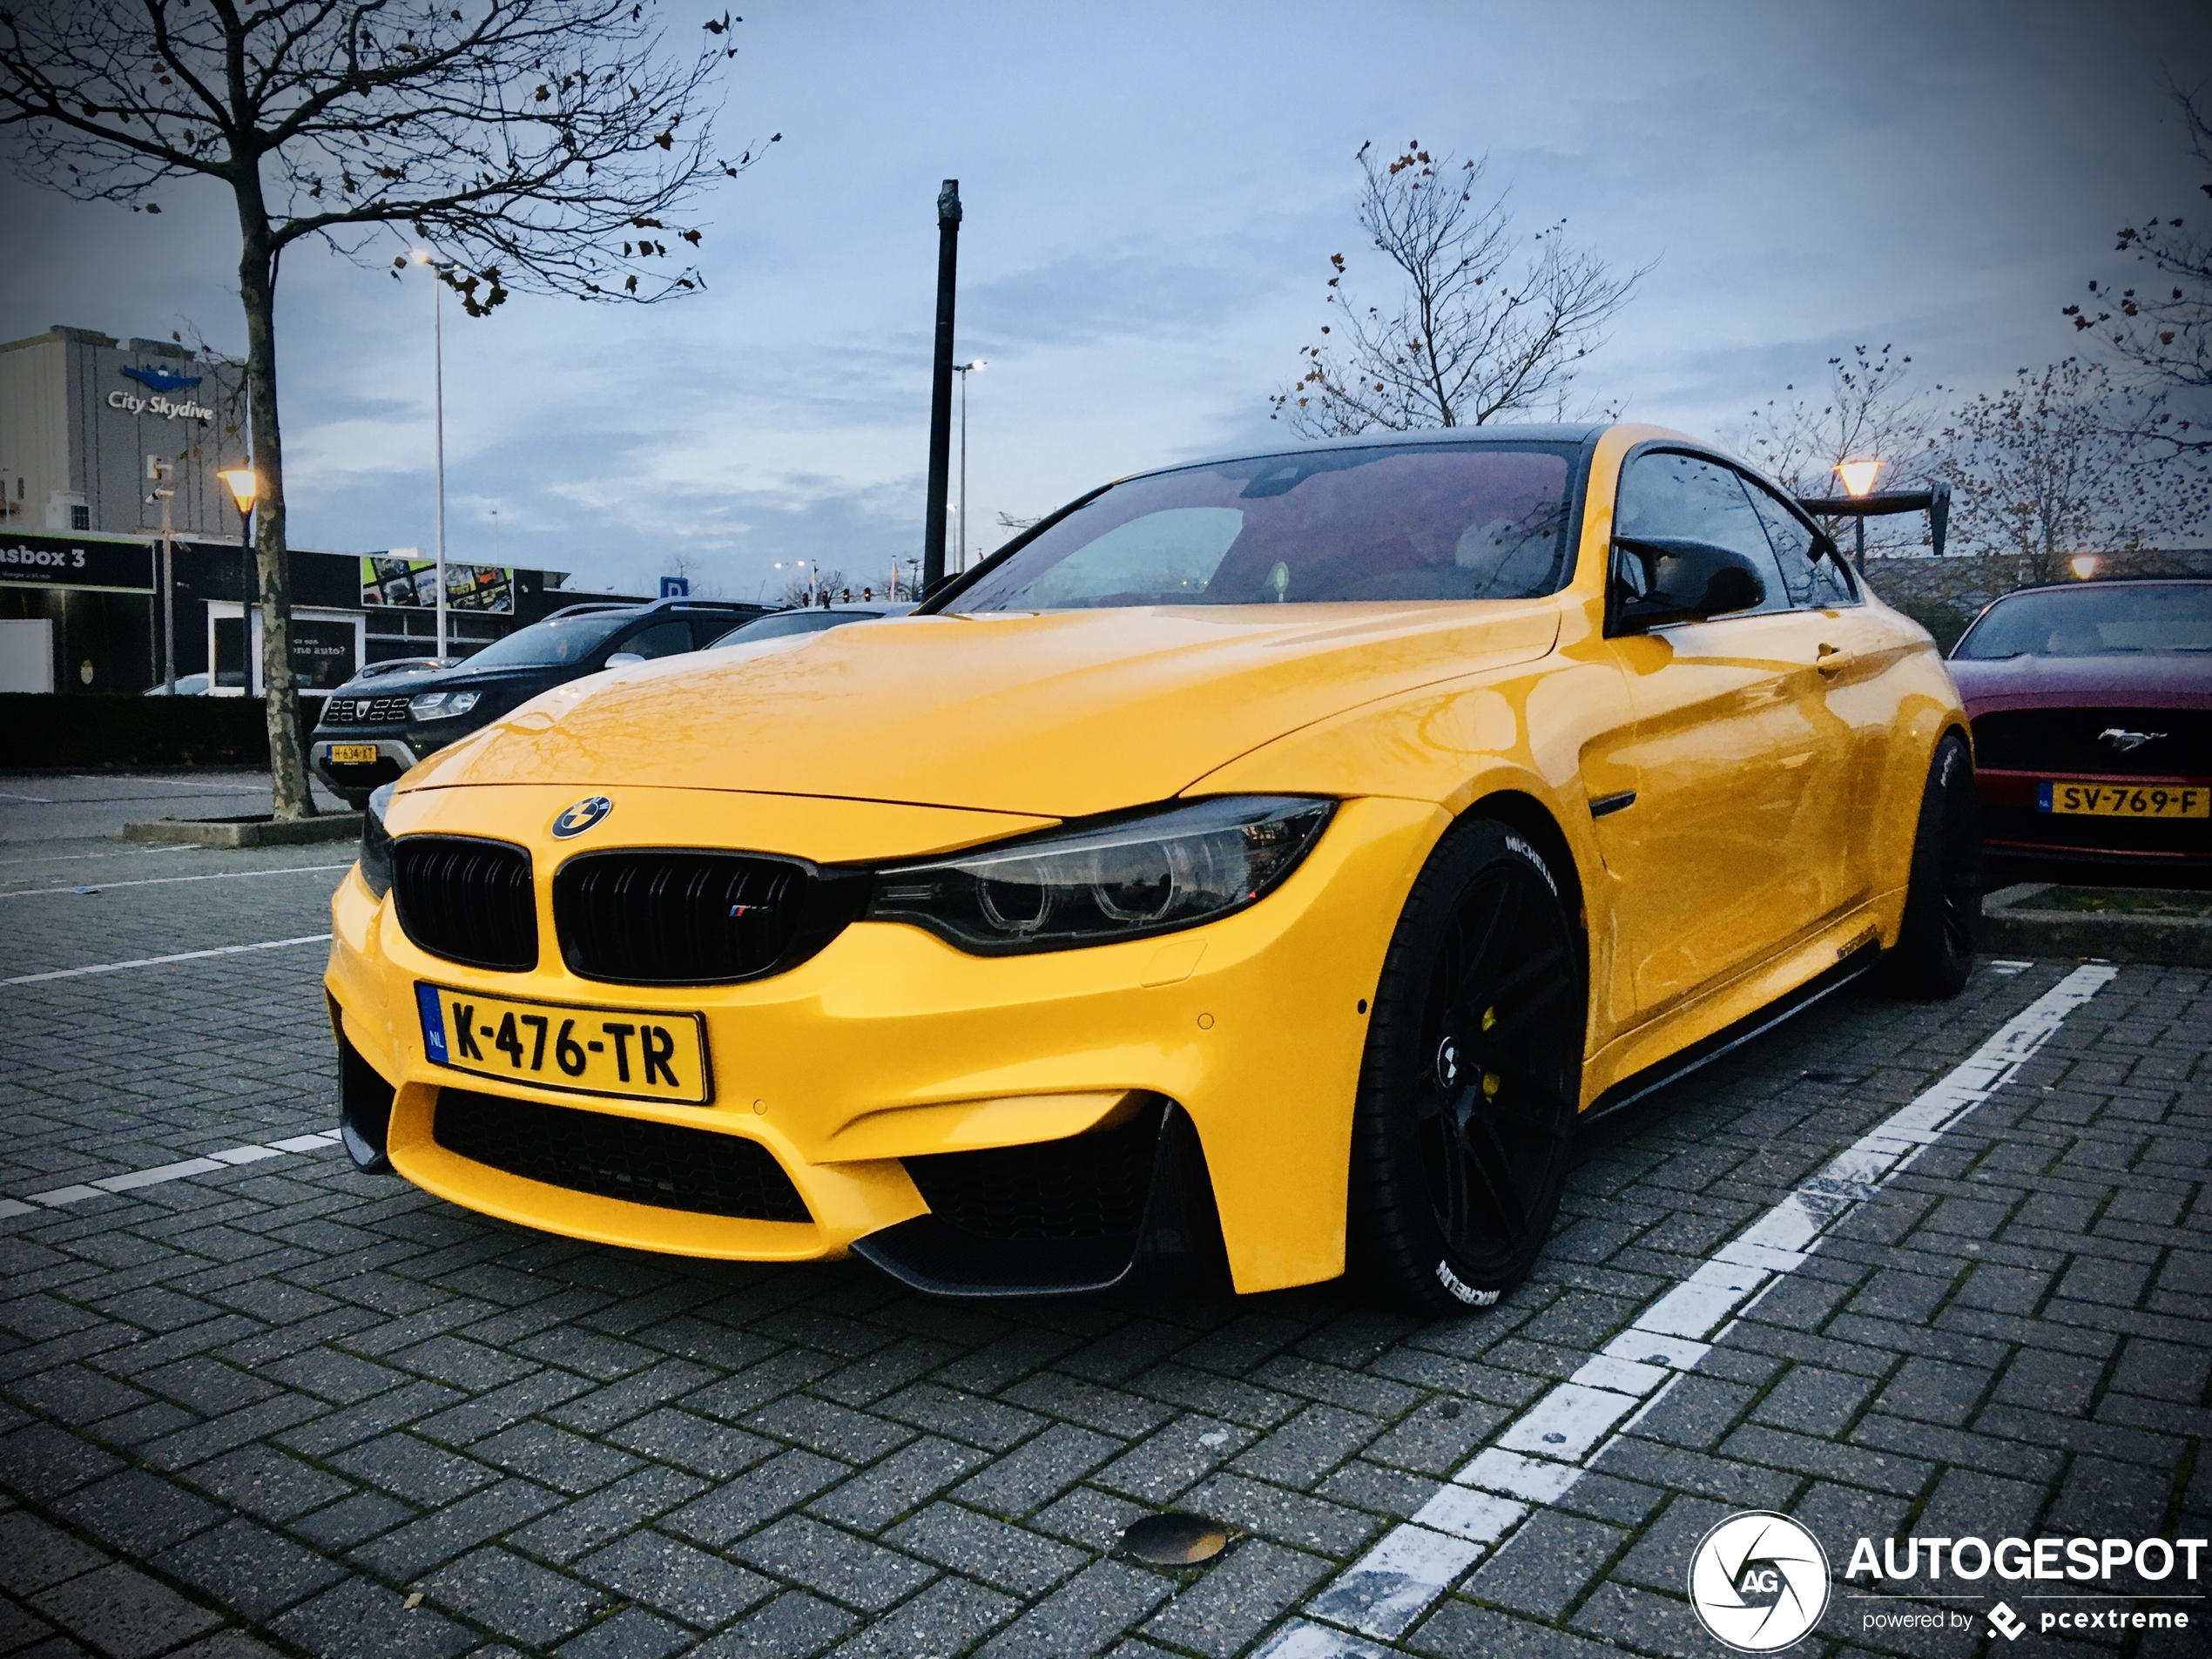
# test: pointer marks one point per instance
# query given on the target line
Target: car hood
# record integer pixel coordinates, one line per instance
(1059, 714)
(2170, 681)
(443, 679)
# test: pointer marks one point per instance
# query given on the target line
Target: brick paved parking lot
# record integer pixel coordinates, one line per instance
(264, 1403)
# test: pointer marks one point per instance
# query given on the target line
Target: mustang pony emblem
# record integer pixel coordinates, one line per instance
(582, 816)
(2126, 742)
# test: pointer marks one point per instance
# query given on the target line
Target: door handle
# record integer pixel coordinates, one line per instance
(1832, 660)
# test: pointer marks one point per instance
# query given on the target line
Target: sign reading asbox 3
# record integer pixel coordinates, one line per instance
(73, 561)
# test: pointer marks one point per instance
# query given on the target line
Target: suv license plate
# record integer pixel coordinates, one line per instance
(353, 754)
(627, 1054)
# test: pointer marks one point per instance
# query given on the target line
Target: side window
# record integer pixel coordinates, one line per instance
(662, 639)
(1666, 494)
(1815, 580)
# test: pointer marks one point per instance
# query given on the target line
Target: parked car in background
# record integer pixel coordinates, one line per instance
(2092, 712)
(1271, 858)
(383, 721)
(401, 665)
(783, 624)
(187, 685)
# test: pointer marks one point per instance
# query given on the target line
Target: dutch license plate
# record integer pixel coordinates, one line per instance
(353, 754)
(622, 1052)
(2125, 800)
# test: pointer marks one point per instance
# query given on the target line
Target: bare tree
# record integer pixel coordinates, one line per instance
(1869, 412)
(2162, 327)
(2054, 464)
(531, 145)
(1463, 344)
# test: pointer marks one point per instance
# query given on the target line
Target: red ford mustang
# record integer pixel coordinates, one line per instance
(2092, 712)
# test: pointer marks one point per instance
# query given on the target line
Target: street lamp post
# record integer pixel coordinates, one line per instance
(1859, 478)
(157, 470)
(963, 370)
(438, 419)
(244, 485)
(940, 385)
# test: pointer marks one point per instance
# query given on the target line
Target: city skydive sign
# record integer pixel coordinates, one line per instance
(159, 382)
(168, 409)
(74, 561)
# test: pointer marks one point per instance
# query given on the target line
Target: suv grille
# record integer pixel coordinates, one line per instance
(363, 710)
(1091, 1186)
(2067, 740)
(467, 900)
(652, 917)
(661, 1164)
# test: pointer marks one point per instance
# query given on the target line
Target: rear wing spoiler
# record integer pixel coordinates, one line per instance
(1934, 501)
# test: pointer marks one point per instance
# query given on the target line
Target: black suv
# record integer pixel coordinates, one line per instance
(375, 726)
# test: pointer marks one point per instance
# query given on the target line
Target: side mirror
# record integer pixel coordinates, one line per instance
(1684, 581)
(624, 658)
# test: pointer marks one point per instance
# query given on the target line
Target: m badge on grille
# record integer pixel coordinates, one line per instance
(582, 816)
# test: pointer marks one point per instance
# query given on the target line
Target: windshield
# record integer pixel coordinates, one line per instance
(1478, 521)
(791, 622)
(2097, 619)
(561, 642)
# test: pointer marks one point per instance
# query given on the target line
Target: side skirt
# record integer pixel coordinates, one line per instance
(1707, 1049)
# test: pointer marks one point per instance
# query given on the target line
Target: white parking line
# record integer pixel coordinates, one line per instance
(1547, 1449)
(228, 1158)
(157, 962)
(165, 880)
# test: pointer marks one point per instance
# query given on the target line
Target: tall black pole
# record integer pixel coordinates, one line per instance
(940, 386)
(245, 611)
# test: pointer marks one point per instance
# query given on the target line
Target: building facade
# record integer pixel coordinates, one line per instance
(84, 605)
(80, 414)
(85, 613)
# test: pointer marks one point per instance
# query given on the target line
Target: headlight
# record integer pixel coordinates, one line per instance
(377, 843)
(440, 705)
(1151, 874)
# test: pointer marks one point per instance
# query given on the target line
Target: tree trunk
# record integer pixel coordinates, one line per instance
(290, 794)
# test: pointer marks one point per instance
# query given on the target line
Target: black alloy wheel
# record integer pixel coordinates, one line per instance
(1471, 1083)
(1934, 951)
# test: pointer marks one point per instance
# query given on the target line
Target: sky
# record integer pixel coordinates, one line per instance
(1152, 193)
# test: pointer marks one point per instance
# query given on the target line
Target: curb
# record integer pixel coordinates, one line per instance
(2010, 924)
(247, 831)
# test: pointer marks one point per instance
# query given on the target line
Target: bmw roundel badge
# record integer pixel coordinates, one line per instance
(582, 816)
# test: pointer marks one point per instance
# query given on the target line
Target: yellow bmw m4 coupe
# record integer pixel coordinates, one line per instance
(1267, 862)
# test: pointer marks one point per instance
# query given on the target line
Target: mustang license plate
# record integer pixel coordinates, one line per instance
(353, 754)
(2125, 801)
(622, 1052)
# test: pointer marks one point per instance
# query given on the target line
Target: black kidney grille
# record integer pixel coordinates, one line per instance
(467, 900)
(1091, 1186)
(656, 917)
(662, 1165)
(2071, 741)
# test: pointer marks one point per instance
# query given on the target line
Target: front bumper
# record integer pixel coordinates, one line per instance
(2014, 830)
(891, 1044)
(394, 757)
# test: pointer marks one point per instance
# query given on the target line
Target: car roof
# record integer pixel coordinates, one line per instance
(2184, 581)
(1572, 432)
